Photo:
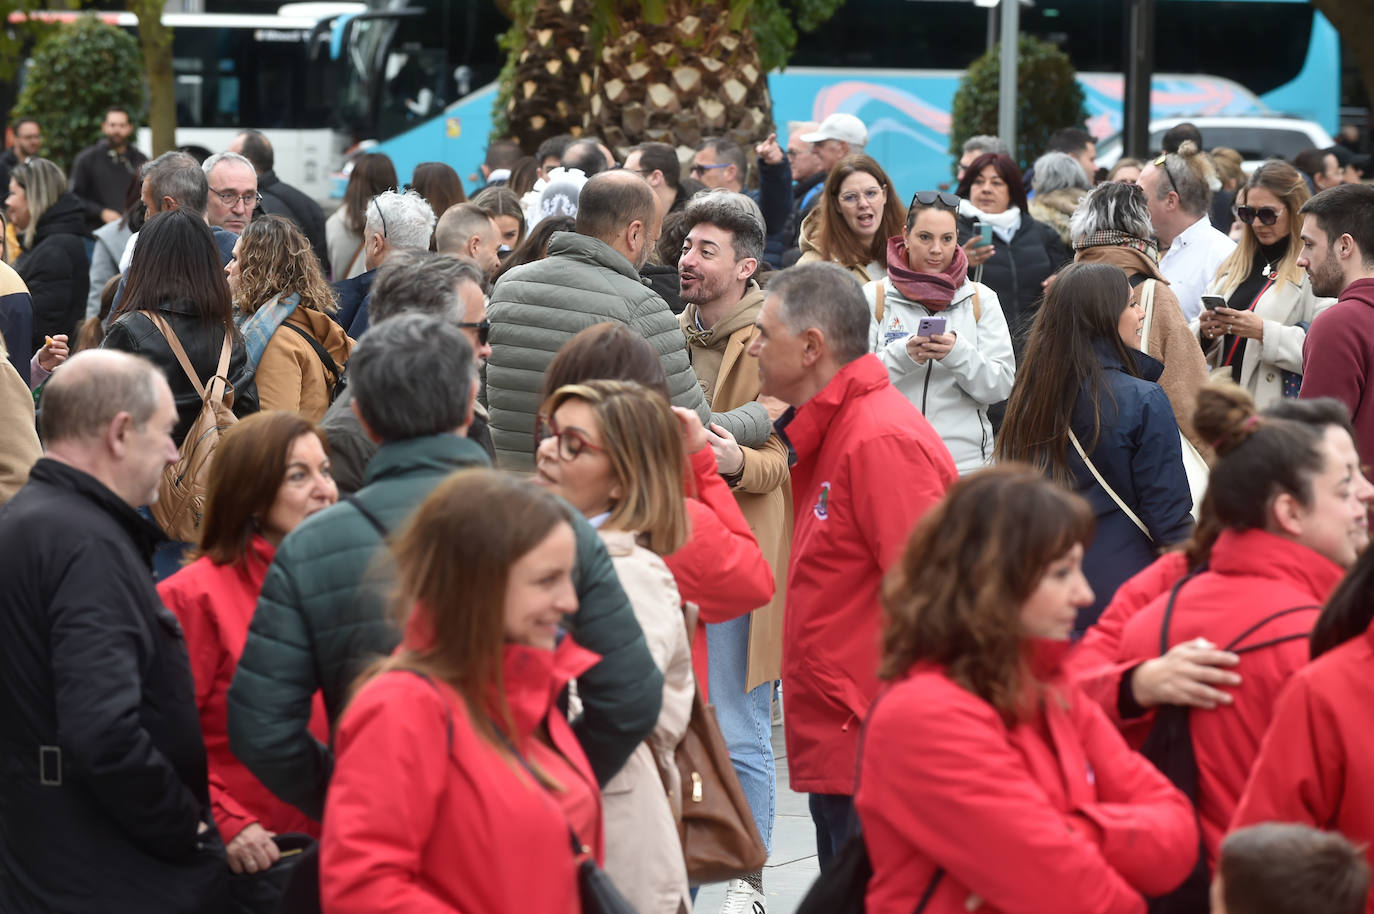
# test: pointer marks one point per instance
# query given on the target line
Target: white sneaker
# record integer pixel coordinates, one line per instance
(740, 898)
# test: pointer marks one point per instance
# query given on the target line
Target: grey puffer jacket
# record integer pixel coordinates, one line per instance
(538, 307)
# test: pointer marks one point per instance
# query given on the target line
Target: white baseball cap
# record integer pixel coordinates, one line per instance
(845, 127)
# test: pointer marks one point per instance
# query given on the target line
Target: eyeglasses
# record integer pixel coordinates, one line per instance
(935, 198)
(852, 199)
(229, 197)
(483, 329)
(702, 169)
(1267, 215)
(380, 215)
(1162, 163)
(571, 441)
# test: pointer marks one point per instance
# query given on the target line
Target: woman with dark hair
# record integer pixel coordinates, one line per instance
(455, 768)
(271, 471)
(372, 174)
(1256, 339)
(536, 243)
(52, 237)
(439, 184)
(1286, 497)
(175, 278)
(1023, 252)
(858, 212)
(987, 780)
(1086, 411)
(305, 354)
(503, 205)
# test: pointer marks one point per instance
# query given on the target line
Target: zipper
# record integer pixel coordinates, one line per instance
(925, 390)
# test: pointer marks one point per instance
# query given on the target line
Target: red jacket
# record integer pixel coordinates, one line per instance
(867, 467)
(1313, 766)
(721, 568)
(1251, 576)
(1338, 357)
(1053, 814)
(215, 604)
(427, 816)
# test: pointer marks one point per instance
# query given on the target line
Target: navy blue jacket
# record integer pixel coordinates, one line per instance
(1138, 453)
(353, 296)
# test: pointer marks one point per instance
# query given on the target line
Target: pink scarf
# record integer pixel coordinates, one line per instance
(934, 290)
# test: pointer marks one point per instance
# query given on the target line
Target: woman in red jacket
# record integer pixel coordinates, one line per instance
(458, 784)
(987, 781)
(270, 473)
(1312, 766)
(1288, 499)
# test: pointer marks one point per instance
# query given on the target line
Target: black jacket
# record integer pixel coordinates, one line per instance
(283, 199)
(135, 332)
(93, 666)
(100, 177)
(1017, 270)
(57, 271)
(8, 159)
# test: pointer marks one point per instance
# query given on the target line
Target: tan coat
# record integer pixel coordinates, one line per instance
(19, 447)
(764, 492)
(290, 374)
(643, 852)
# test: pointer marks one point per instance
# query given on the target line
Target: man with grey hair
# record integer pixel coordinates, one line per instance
(1059, 184)
(1178, 190)
(102, 749)
(866, 466)
(319, 623)
(395, 222)
(468, 232)
(976, 146)
(420, 282)
(719, 258)
(233, 191)
(175, 180)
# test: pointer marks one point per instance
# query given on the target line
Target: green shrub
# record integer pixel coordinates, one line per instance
(1048, 98)
(76, 73)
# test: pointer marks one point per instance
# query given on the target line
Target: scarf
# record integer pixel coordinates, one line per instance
(934, 290)
(1114, 238)
(1004, 224)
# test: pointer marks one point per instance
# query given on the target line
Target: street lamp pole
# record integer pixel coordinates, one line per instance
(1006, 84)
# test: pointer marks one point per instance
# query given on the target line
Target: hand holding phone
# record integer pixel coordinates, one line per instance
(983, 231)
(1213, 302)
(930, 326)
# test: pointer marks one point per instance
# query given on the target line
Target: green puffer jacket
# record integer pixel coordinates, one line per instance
(538, 307)
(321, 619)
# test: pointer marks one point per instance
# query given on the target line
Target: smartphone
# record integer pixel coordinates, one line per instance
(984, 233)
(1213, 302)
(929, 326)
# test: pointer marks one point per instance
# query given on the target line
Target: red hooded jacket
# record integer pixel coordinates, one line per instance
(1053, 814)
(427, 816)
(1338, 358)
(1252, 575)
(868, 466)
(215, 604)
(1313, 765)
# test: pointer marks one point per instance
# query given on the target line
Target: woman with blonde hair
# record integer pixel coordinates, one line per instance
(1256, 338)
(274, 270)
(858, 212)
(614, 451)
(53, 262)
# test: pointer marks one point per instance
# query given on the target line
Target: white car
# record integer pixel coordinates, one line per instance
(1255, 138)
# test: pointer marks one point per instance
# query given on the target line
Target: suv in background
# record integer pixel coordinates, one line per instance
(1255, 138)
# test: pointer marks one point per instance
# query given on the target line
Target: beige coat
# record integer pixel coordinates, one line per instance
(643, 852)
(18, 441)
(764, 492)
(290, 374)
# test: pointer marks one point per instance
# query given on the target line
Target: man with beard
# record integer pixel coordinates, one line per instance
(591, 276)
(101, 174)
(1338, 253)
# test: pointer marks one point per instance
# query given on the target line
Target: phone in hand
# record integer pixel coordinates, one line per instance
(930, 326)
(984, 233)
(1213, 302)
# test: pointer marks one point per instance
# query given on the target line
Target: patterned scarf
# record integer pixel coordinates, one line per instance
(934, 290)
(1117, 239)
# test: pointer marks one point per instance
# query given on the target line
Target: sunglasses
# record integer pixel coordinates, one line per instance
(935, 198)
(483, 329)
(572, 442)
(1162, 163)
(702, 169)
(1267, 215)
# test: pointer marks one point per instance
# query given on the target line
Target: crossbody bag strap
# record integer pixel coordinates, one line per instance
(367, 514)
(578, 848)
(1169, 611)
(1108, 489)
(1235, 647)
(325, 358)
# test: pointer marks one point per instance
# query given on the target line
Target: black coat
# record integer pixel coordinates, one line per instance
(100, 178)
(135, 332)
(57, 271)
(283, 199)
(93, 666)
(1015, 271)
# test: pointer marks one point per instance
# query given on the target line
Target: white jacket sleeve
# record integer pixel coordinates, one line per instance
(984, 366)
(1282, 343)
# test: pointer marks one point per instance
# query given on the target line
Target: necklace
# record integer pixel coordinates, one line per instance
(1269, 268)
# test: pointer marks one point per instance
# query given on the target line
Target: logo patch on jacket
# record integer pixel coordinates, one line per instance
(895, 331)
(822, 508)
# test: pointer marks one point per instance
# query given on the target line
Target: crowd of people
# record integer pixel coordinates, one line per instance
(388, 561)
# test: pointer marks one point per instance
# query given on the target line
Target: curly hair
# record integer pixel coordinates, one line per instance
(274, 258)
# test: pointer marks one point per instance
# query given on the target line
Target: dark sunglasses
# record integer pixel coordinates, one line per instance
(483, 329)
(571, 441)
(1267, 215)
(935, 198)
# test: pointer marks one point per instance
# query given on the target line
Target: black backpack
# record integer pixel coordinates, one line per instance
(1169, 747)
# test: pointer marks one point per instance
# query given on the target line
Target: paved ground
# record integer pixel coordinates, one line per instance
(792, 867)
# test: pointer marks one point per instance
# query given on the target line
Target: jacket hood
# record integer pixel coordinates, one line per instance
(740, 317)
(1361, 290)
(1129, 259)
(592, 251)
(810, 228)
(65, 217)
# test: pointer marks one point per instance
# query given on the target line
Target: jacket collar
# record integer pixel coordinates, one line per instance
(1147, 367)
(803, 428)
(145, 534)
(593, 251)
(1129, 259)
(1258, 553)
(534, 679)
(437, 453)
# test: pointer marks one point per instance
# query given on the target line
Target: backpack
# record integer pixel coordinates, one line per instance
(1169, 747)
(340, 382)
(184, 488)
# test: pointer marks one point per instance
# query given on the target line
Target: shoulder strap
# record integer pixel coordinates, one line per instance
(977, 305)
(1169, 612)
(878, 310)
(578, 848)
(325, 358)
(1147, 301)
(174, 344)
(354, 259)
(1108, 489)
(1234, 647)
(367, 514)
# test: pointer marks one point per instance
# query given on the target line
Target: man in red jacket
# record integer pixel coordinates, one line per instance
(865, 467)
(1338, 253)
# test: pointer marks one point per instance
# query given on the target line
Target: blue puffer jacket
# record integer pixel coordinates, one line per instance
(1138, 454)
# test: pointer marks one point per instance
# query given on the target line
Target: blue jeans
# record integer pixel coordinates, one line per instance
(745, 719)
